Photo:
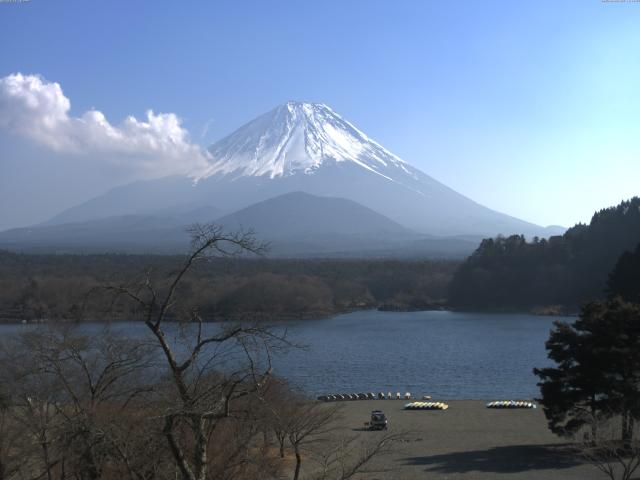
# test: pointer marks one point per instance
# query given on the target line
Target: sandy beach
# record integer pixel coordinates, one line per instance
(469, 441)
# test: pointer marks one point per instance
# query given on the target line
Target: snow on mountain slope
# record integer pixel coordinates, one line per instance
(301, 137)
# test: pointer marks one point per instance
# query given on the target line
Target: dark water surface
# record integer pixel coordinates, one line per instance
(448, 355)
(445, 354)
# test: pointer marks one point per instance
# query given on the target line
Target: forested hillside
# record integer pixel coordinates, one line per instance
(512, 273)
(35, 287)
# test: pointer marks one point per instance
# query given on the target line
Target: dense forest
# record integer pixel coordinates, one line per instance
(41, 287)
(624, 280)
(560, 273)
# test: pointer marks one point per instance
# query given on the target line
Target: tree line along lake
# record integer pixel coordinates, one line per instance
(449, 355)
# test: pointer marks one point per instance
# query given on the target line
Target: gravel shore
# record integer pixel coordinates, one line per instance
(468, 441)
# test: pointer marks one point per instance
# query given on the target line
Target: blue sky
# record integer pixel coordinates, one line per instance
(530, 108)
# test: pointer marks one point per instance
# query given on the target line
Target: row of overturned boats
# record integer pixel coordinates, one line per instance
(367, 396)
(511, 404)
(426, 404)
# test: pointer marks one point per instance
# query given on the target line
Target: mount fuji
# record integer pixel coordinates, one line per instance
(309, 148)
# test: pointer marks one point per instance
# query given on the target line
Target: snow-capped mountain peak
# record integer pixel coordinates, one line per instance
(307, 147)
(300, 137)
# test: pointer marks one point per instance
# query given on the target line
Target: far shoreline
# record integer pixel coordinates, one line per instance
(284, 318)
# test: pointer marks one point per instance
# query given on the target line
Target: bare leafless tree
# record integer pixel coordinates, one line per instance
(347, 456)
(603, 448)
(306, 424)
(275, 410)
(210, 369)
(70, 393)
(11, 437)
(313, 430)
(31, 410)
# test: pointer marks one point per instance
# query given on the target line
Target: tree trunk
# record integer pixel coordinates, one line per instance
(627, 434)
(594, 423)
(88, 465)
(45, 453)
(296, 474)
(627, 428)
(176, 451)
(201, 447)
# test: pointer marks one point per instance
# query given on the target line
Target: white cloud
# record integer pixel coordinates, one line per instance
(38, 110)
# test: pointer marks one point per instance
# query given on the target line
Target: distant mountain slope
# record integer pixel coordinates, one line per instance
(301, 215)
(126, 233)
(310, 148)
(295, 224)
(510, 273)
(137, 198)
(163, 232)
(298, 223)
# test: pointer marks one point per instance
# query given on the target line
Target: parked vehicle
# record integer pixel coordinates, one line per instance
(378, 420)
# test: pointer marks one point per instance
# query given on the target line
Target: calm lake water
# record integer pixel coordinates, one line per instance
(447, 355)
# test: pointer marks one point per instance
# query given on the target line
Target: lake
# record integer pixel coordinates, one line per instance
(448, 355)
